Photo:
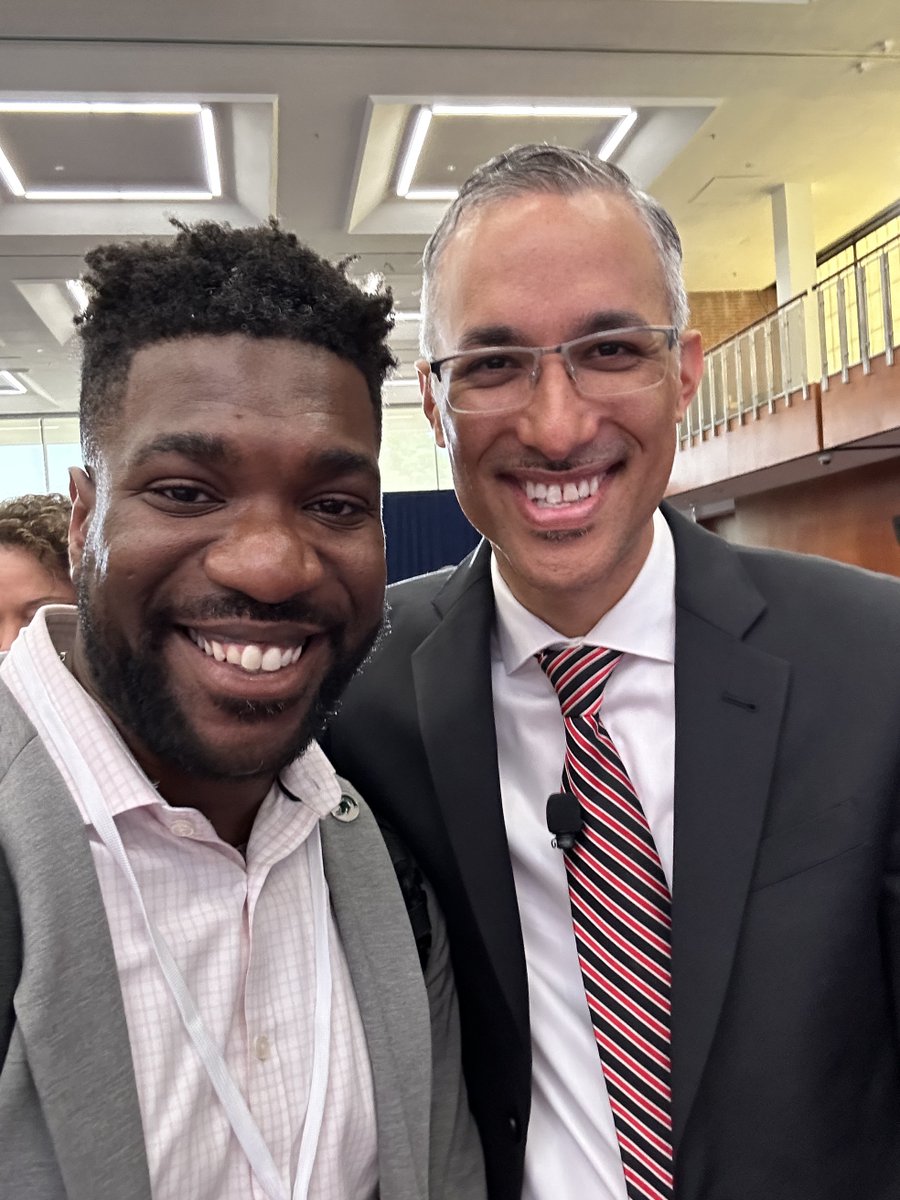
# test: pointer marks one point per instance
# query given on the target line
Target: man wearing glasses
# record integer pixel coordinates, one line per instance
(653, 777)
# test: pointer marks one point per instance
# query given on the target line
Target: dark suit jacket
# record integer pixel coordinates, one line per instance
(786, 913)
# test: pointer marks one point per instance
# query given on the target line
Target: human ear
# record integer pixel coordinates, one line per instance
(83, 493)
(429, 405)
(690, 370)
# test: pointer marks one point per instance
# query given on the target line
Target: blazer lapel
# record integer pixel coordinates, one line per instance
(452, 676)
(68, 1003)
(729, 701)
(365, 900)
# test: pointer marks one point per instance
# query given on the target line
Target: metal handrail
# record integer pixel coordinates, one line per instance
(765, 365)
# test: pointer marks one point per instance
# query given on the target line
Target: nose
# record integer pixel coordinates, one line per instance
(557, 420)
(265, 554)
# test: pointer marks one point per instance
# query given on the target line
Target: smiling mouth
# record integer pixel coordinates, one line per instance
(556, 495)
(250, 657)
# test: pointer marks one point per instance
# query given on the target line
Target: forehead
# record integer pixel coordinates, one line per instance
(547, 262)
(252, 392)
(22, 572)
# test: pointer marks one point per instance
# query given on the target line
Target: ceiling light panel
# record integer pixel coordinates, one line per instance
(78, 292)
(108, 151)
(447, 141)
(10, 385)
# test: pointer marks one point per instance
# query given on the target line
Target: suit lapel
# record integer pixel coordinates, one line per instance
(729, 701)
(452, 676)
(68, 1003)
(365, 900)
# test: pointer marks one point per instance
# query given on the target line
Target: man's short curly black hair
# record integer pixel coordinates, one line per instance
(40, 525)
(213, 279)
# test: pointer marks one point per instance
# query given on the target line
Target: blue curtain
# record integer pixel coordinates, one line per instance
(424, 531)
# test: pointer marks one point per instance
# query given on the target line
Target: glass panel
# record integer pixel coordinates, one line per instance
(21, 458)
(63, 451)
(410, 461)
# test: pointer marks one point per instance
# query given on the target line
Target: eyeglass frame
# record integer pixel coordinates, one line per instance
(537, 352)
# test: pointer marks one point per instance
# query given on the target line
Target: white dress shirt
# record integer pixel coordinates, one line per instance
(571, 1151)
(242, 935)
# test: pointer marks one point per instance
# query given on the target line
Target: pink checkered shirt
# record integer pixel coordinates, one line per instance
(242, 934)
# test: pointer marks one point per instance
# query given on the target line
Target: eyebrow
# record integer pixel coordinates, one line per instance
(344, 462)
(200, 447)
(507, 335)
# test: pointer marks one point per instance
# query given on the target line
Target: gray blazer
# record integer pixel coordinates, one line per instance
(70, 1124)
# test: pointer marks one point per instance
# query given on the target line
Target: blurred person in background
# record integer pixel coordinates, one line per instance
(34, 560)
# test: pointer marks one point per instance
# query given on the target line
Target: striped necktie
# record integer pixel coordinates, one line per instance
(621, 910)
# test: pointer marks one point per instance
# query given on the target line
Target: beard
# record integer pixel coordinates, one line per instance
(131, 682)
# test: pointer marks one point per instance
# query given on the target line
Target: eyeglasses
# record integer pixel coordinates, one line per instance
(614, 362)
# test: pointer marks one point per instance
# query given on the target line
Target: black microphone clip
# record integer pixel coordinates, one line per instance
(563, 819)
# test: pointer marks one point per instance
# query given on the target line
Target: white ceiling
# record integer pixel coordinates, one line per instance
(313, 101)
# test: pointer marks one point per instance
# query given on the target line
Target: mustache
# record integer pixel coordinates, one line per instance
(601, 459)
(237, 606)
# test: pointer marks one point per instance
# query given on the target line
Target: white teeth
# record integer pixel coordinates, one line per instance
(271, 659)
(551, 495)
(251, 658)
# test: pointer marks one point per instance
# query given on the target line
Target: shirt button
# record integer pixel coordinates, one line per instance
(514, 1128)
(261, 1047)
(182, 828)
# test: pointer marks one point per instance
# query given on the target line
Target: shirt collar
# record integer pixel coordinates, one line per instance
(42, 648)
(642, 623)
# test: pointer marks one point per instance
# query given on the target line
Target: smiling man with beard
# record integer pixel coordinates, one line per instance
(209, 984)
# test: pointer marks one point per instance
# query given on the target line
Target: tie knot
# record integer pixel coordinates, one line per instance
(579, 675)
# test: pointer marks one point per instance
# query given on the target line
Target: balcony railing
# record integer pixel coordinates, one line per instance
(856, 310)
(852, 315)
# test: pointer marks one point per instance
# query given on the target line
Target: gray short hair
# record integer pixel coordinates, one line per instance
(565, 171)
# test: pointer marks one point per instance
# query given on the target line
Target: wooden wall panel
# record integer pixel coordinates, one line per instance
(867, 405)
(846, 516)
(787, 433)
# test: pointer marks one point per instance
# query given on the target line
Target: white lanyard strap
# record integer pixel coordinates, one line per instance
(239, 1116)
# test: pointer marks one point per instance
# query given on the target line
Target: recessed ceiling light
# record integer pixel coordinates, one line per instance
(76, 290)
(625, 117)
(401, 315)
(210, 151)
(151, 108)
(615, 139)
(529, 110)
(10, 178)
(413, 150)
(10, 385)
(207, 135)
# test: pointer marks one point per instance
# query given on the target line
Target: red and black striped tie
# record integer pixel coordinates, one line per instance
(621, 909)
